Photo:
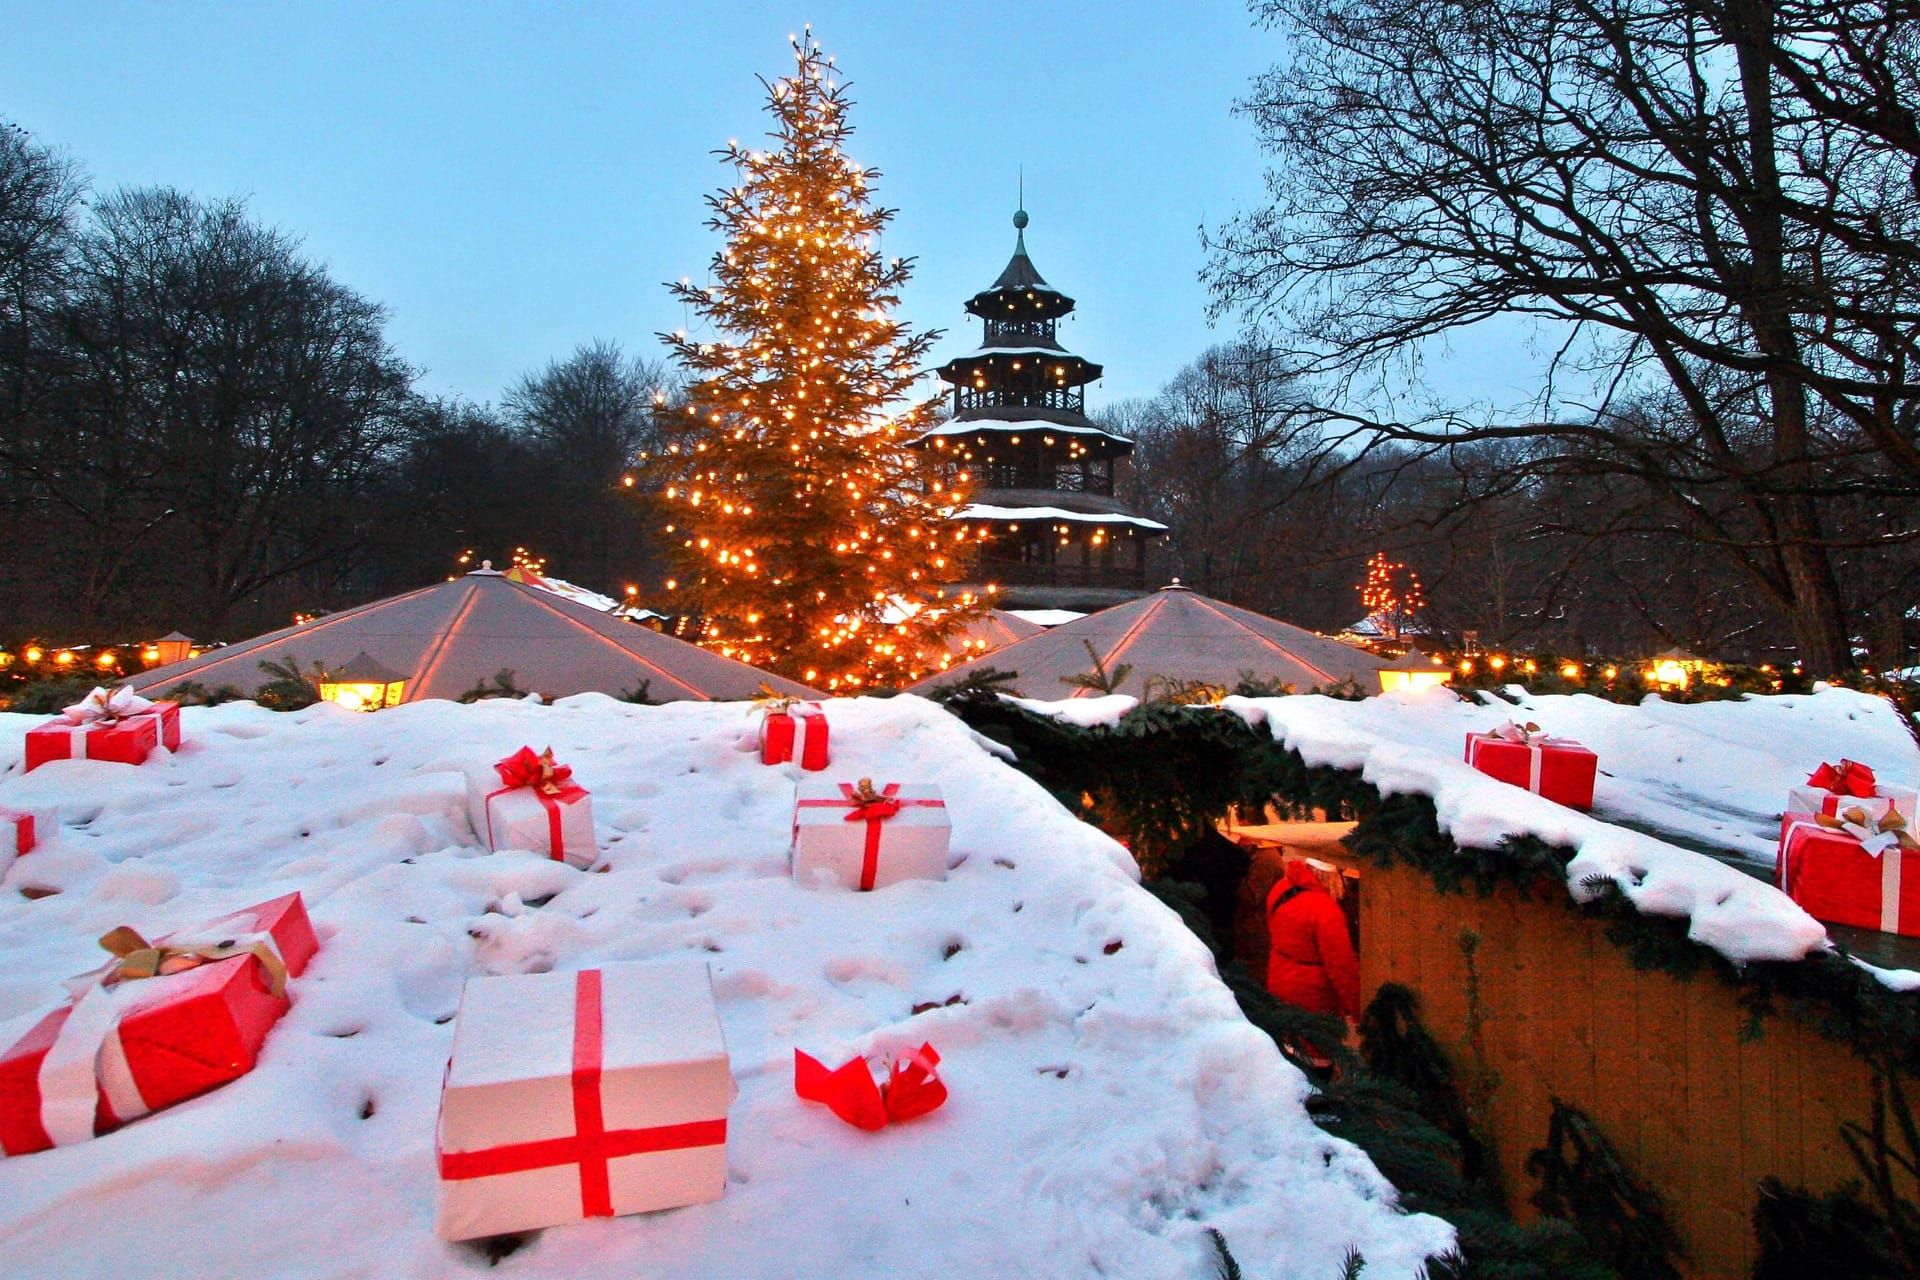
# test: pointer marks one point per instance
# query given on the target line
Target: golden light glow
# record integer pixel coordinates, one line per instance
(363, 685)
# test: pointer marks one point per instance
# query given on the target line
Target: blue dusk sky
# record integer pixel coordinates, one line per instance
(512, 180)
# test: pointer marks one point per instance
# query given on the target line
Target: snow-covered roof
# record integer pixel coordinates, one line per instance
(1711, 774)
(1045, 426)
(1109, 1102)
(1378, 624)
(986, 511)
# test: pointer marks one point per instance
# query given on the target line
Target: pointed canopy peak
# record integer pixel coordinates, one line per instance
(1020, 272)
(1176, 585)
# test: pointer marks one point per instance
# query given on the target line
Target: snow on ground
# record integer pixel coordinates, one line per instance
(1108, 1101)
(1715, 771)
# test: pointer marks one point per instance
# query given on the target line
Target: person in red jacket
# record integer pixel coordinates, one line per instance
(1310, 961)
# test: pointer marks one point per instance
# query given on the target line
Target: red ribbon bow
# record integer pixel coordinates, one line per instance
(525, 769)
(1848, 778)
(870, 805)
(913, 1087)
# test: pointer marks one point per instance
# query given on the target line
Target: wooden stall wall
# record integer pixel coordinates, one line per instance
(1532, 1003)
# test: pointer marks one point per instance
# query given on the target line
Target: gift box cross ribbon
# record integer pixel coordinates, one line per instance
(86, 1058)
(1848, 778)
(1536, 740)
(875, 808)
(552, 785)
(1887, 840)
(591, 1145)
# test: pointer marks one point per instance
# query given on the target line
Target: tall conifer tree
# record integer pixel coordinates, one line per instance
(807, 537)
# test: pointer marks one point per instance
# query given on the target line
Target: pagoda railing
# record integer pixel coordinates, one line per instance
(1072, 399)
(1021, 573)
(1021, 333)
(1072, 478)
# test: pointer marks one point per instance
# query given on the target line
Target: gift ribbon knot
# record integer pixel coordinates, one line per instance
(772, 703)
(1848, 778)
(106, 709)
(1889, 832)
(135, 958)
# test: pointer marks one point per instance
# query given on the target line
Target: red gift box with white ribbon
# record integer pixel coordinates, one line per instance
(794, 731)
(161, 1023)
(120, 727)
(1850, 869)
(867, 837)
(582, 1095)
(1557, 769)
(539, 807)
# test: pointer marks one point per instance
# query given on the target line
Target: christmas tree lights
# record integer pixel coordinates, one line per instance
(806, 537)
(1391, 595)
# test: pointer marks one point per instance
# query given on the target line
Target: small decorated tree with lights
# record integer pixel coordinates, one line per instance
(806, 536)
(1391, 595)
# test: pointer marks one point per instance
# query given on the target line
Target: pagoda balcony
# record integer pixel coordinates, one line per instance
(1023, 573)
(1075, 477)
(1070, 399)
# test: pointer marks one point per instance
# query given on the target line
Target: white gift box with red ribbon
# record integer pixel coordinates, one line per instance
(523, 818)
(841, 836)
(582, 1095)
(1884, 800)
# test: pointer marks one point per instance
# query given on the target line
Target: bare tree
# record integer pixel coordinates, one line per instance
(1661, 177)
(226, 409)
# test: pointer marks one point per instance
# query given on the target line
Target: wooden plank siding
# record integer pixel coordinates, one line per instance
(1697, 1111)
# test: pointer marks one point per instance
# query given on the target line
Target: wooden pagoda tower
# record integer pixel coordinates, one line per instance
(1056, 537)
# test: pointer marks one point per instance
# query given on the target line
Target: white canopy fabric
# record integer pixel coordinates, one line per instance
(448, 638)
(1178, 635)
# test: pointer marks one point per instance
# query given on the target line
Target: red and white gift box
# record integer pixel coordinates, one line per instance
(539, 808)
(795, 731)
(1839, 878)
(865, 837)
(1851, 784)
(1558, 769)
(120, 727)
(124, 1048)
(17, 835)
(582, 1095)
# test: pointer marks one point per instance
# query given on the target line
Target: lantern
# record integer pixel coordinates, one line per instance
(1414, 671)
(363, 685)
(1675, 668)
(170, 648)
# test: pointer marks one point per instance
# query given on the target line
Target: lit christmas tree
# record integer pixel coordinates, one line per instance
(807, 537)
(1391, 595)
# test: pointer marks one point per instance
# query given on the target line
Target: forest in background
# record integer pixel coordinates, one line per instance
(201, 430)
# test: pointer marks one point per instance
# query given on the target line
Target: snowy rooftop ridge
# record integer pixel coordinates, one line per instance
(1044, 426)
(1109, 1102)
(987, 511)
(1742, 918)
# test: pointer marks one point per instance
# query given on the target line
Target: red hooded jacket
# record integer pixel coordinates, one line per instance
(1311, 961)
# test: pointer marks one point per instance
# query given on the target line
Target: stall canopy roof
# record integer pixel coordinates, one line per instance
(448, 638)
(1176, 634)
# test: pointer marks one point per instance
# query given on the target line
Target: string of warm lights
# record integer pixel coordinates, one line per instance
(1391, 593)
(806, 536)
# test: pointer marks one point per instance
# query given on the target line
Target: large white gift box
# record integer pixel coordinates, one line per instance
(1885, 799)
(582, 1095)
(867, 837)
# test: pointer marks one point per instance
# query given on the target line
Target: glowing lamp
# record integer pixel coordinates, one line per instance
(170, 648)
(1675, 668)
(1413, 671)
(363, 685)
